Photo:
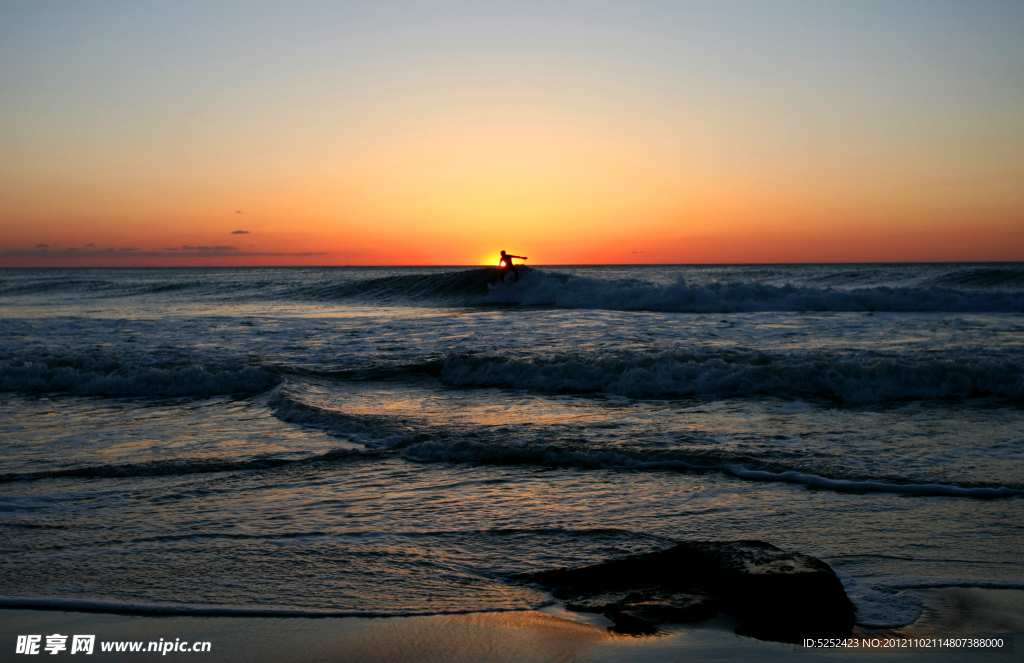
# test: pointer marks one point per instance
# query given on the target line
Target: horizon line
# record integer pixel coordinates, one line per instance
(478, 266)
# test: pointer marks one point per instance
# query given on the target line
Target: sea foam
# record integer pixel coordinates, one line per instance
(880, 607)
(855, 379)
(93, 377)
(540, 288)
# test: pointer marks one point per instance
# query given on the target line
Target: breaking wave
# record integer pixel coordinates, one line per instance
(858, 379)
(448, 288)
(952, 288)
(108, 377)
(984, 277)
(551, 289)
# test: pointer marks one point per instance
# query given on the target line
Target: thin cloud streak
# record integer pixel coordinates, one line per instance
(189, 252)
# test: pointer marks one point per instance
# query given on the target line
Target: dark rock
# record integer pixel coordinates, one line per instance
(776, 595)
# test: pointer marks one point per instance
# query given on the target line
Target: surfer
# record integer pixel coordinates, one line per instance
(505, 266)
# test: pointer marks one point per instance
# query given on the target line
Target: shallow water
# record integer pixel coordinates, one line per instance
(406, 440)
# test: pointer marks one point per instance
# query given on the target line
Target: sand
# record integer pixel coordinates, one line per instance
(549, 635)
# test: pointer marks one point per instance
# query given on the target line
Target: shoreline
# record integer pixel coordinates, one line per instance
(549, 634)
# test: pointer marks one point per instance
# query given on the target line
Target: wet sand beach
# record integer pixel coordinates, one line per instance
(551, 635)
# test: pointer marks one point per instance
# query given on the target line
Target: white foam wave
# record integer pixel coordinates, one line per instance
(880, 602)
(850, 379)
(880, 608)
(115, 379)
(548, 289)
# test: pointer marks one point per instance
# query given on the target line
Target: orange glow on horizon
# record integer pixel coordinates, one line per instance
(561, 195)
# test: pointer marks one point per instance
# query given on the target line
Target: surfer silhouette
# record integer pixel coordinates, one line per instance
(505, 266)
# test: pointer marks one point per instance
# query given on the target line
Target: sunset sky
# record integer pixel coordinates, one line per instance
(383, 133)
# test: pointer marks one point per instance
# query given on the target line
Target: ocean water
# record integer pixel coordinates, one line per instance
(384, 441)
